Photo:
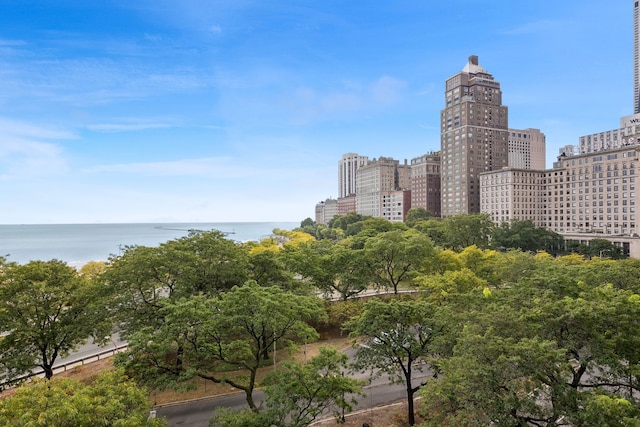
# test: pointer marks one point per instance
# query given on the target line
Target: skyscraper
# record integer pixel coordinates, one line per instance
(636, 57)
(474, 136)
(347, 168)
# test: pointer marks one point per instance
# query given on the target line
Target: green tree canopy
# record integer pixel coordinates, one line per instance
(47, 310)
(139, 280)
(468, 229)
(110, 401)
(223, 339)
(415, 215)
(396, 256)
(539, 350)
(397, 338)
(524, 235)
(298, 393)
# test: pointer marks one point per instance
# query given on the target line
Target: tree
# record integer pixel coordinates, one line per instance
(468, 229)
(603, 248)
(492, 380)
(396, 339)
(552, 346)
(397, 256)
(47, 310)
(434, 229)
(112, 400)
(351, 272)
(268, 269)
(332, 268)
(343, 221)
(524, 235)
(139, 280)
(307, 222)
(298, 393)
(415, 215)
(223, 339)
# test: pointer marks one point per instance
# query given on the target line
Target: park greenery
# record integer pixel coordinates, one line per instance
(509, 325)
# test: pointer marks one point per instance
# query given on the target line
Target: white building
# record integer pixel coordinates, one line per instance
(347, 173)
(627, 135)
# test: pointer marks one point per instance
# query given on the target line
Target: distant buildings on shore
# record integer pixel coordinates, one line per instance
(483, 166)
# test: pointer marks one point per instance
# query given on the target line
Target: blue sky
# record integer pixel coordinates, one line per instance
(193, 110)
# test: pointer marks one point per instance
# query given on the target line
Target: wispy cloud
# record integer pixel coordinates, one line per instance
(25, 159)
(534, 27)
(213, 167)
(387, 90)
(129, 125)
(25, 152)
(24, 129)
(308, 104)
(12, 43)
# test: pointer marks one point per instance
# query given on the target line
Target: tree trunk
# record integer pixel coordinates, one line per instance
(249, 396)
(48, 371)
(410, 415)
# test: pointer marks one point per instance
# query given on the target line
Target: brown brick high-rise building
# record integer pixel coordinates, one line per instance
(474, 136)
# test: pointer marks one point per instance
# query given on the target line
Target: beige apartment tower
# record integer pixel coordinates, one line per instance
(527, 149)
(474, 136)
(376, 178)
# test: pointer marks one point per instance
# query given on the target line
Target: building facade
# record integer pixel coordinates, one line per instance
(628, 134)
(347, 173)
(373, 179)
(346, 204)
(583, 197)
(527, 149)
(514, 194)
(395, 205)
(474, 136)
(326, 211)
(425, 182)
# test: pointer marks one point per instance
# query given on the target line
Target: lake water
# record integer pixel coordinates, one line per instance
(78, 244)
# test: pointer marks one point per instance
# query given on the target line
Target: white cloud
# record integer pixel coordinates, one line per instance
(212, 167)
(387, 90)
(152, 37)
(129, 125)
(29, 130)
(25, 159)
(25, 153)
(308, 104)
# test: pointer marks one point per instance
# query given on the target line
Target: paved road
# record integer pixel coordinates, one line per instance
(197, 413)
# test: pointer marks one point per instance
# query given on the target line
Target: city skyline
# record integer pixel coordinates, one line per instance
(207, 111)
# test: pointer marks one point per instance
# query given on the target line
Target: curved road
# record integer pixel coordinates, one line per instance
(197, 413)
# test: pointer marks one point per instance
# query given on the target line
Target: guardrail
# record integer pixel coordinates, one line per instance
(70, 364)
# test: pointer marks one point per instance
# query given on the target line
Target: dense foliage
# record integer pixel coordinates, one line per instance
(111, 401)
(47, 309)
(508, 326)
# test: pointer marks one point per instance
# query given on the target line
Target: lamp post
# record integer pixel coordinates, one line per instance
(342, 418)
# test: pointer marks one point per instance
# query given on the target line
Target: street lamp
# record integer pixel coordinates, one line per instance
(342, 419)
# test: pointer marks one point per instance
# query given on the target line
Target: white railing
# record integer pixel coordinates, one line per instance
(70, 364)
